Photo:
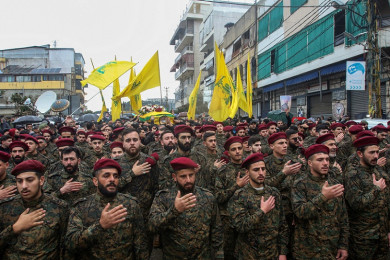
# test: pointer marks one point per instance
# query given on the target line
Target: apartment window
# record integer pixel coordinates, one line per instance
(272, 61)
(339, 28)
(271, 22)
(36, 78)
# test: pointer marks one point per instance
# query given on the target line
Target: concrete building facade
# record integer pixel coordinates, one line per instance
(30, 71)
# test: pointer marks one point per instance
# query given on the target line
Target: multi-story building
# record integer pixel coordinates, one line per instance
(187, 45)
(302, 51)
(30, 71)
(239, 44)
(215, 24)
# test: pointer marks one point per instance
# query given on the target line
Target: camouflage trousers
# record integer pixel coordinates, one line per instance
(368, 249)
(229, 238)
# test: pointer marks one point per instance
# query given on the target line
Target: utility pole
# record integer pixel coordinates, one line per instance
(373, 62)
(166, 98)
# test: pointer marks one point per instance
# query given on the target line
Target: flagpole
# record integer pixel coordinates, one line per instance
(159, 73)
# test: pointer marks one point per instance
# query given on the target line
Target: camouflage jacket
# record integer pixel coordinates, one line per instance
(9, 180)
(40, 242)
(367, 205)
(196, 233)
(203, 176)
(321, 225)
(39, 157)
(86, 238)
(92, 157)
(12, 165)
(276, 178)
(58, 179)
(226, 184)
(265, 149)
(221, 139)
(260, 235)
(143, 187)
(309, 140)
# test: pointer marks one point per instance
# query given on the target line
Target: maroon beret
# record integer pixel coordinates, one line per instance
(253, 158)
(183, 163)
(118, 130)
(335, 125)
(81, 132)
(4, 156)
(232, 140)
(28, 166)
(40, 138)
(323, 138)
(238, 128)
(183, 129)
(97, 137)
(67, 129)
(355, 129)
(311, 126)
(271, 124)
(12, 132)
(64, 142)
(155, 156)
(364, 133)
(380, 128)
(198, 127)
(18, 144)
(228, 128)
(206, 128)
(47, 132)
(262, 127)
(116, 144)
(98, 133)
(242, 124)
(276, 136)
(245, 139)
(89, 133)
(107, 163)
(316, 148)
(31, 138)
(217, 123)
(349, 123)
(301, 135)
(157, 133)
(366, 141)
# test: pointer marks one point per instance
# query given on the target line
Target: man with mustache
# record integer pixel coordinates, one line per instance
(321, 224)
(368, 196)
(183, 136)
(18, 154)
(187, 217)
(257, 215)
(32, 153)
(106, 224)
(33, 224)
(167, 144)
(335, 170)
(116, 150)
(70, 183)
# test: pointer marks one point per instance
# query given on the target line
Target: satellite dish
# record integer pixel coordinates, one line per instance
(27, 102)
(45, 100)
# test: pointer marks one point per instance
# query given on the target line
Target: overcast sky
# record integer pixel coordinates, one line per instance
(99, 30)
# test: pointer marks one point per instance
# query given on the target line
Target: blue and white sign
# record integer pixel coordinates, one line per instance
(355, 75)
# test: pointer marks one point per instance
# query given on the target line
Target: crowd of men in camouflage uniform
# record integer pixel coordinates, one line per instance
(210, 190)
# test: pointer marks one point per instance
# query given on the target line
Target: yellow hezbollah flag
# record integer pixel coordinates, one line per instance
(221, 102)
(148, 78)
(106, 74)
(135, 101)
(116, 105)
(242, 103)
(193, 97)
(104, 108)
(249, 90)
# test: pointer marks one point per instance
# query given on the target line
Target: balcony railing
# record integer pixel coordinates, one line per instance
(184, 67)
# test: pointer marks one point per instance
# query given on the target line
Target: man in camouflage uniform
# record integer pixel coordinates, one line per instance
(367, 196)
(257, 215)
(70, 183)
(335, 170)
(140, 173)
(263, 133)
(18, 154)
(230, 177)
(33, 224)
(321, 223)
(187, 217)
(346, 148)
(220, 134)
(116, 150)
(167, 144)
(81, 140)
(311, 139)
(7, 181)
(381, 132)
(42, 149)
(107, 224)
(254, 143)
(33, 154)
(51, 147)
(294, 150)
(97, 142)
(183, 135)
